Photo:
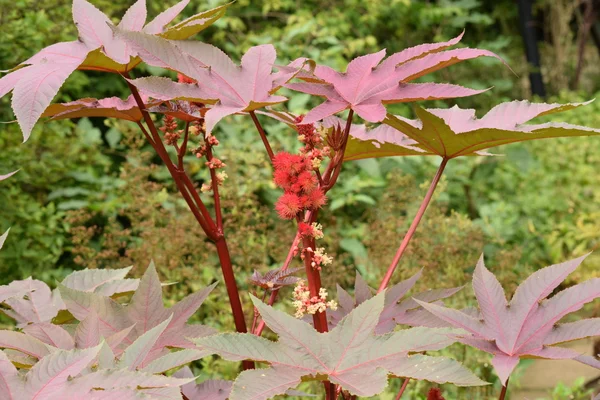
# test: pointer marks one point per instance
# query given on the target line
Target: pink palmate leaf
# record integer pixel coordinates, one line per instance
(528, 324)
(51, 334)
(32, 302)
(349, 350)
(36, 81)
(457, 132)
(157, 25)
(370, 81)
(112, 107)
(47, 379)
(275, 278)
(208, 390)
(11, 384)
(236, 89)
(405, 312)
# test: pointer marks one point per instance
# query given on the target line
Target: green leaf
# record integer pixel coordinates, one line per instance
(455, 132)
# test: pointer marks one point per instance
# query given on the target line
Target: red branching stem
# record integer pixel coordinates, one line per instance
(413, 226)
(161, 151)
(314, 283)
(232, 291)
(215, 190)
(335, 166)
(186, 187)
(181, 150)
(503, 392)
(286, 264)
(263, 135)
(403, 388)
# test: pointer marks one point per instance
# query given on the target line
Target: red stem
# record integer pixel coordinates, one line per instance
(263, 135)
(314, 283)
(215, 188)
(503, 392)
(413, 226)
(232, 291)
(181, 151)
(186, 187)
(403, 388)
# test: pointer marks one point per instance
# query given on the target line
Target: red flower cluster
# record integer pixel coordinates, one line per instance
(294, 174)
(435, 394)
(313, 142)
(169, 128)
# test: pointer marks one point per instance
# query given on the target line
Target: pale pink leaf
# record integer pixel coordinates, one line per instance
(573, 331)
(51, 334)
(535, 288)
(23, 343)
(173, 360)
(6, 176)
(324, 110)
(458, 319)
(10, 80)
(88, 280)
(349, 351)
(551, 311)
(146, 308)
(65, 52)
(35, 90)
(165, 89)
(11, 384)
(209, 390)
(134, 355)
(111, 315)
(504, 366)
(492, 301)
(117, 287)
(157, 25)
(87, 333)
(47, 379)
(3, 237)
(217, 113)
(421, 50)
(94, 30)
(135, 17)
(416, 68)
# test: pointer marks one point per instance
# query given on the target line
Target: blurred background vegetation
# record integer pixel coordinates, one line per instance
(91, 193)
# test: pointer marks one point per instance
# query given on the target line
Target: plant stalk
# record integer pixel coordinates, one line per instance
(413, 226)
(403, 388)
(503, 392)
(263, 135)
(186, 187)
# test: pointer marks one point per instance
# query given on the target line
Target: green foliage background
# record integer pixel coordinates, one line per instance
(91, 194)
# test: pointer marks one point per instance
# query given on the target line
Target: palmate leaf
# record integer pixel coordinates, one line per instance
(456, 132)
(405, 312)
(369, 82)
(208, 390)
(236, 89)
(528, 325)
(349, 351)
(275, 278)
(112, 107)
(141, 330)
(37, 80)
